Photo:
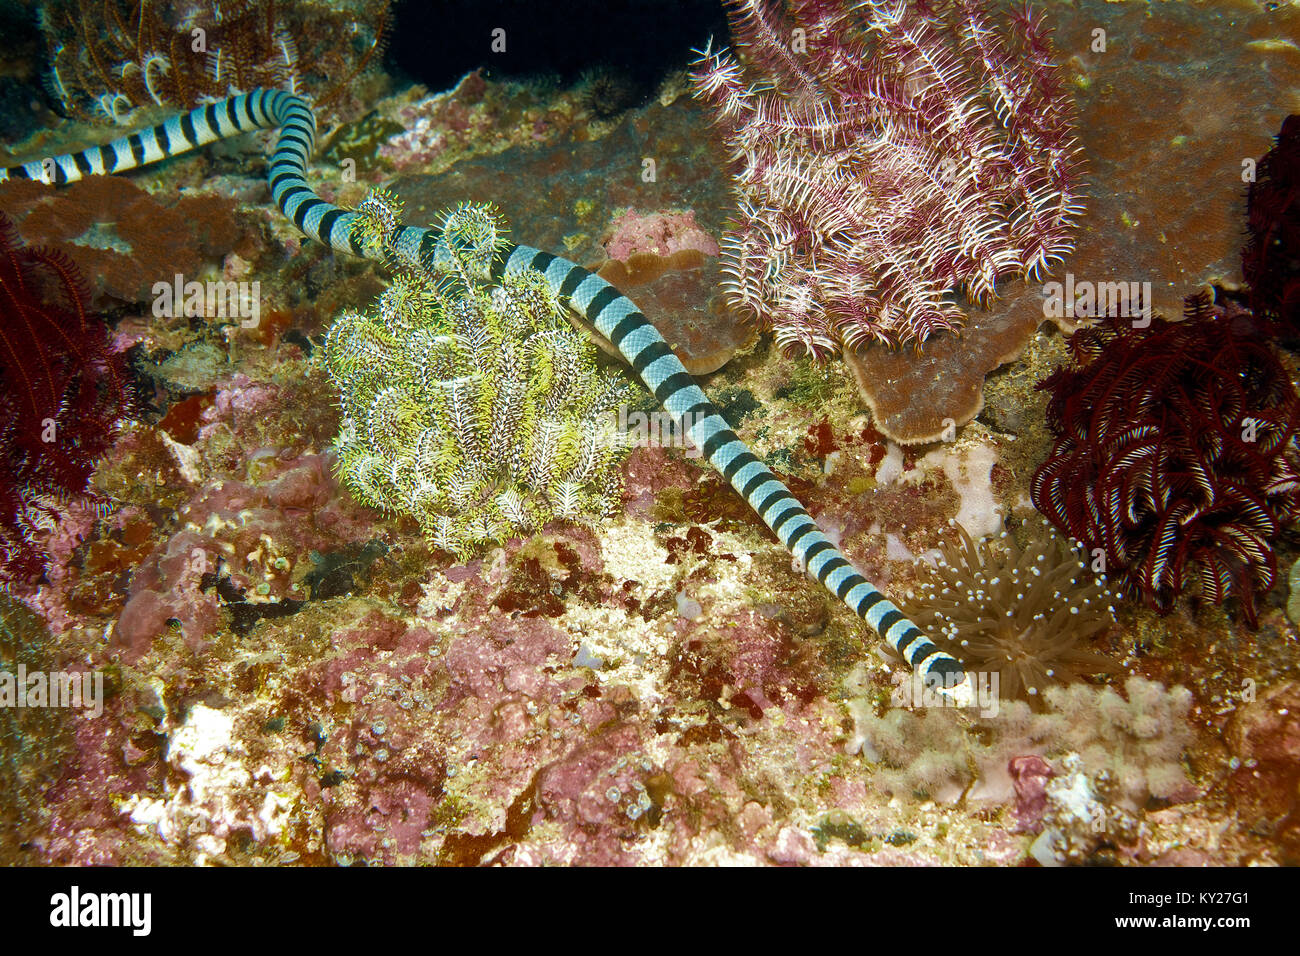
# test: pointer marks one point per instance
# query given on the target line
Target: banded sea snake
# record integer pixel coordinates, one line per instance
(614, 315)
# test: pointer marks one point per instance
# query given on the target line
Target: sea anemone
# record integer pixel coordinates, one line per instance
(1024, 613)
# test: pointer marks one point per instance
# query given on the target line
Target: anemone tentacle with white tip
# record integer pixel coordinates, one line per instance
(1026, 612)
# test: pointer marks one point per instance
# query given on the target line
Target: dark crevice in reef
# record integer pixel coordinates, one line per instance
(337, 574)
(344, 572)
(469, 849)
(244, 615)
(634, 39)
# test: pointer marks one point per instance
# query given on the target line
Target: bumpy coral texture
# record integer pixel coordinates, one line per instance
(1175, 455)
(34, 741)
(1027, 613)
(1136, 741)
(891, 153)
(478, 412)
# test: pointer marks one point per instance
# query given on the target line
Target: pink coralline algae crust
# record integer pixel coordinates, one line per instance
(240, 396)
(473, 118)
(512, 733)
(74, 526)
(472, 737)
(647, 473)
(299, 510)
(168, 588)
(110, 763)
(1264, 738)
(660, 233)
(204, 514)
(1030, 774)
(577, 790)
(430, 123)
(395, 773)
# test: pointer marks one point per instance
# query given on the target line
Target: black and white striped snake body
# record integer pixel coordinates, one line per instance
(613, 314)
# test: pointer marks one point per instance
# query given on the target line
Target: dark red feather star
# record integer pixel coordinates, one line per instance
(1175, 456)
(62, 394)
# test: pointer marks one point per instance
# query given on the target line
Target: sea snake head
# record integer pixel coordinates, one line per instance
(962, 694)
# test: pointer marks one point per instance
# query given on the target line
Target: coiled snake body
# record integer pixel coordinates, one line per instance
(614, 315)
